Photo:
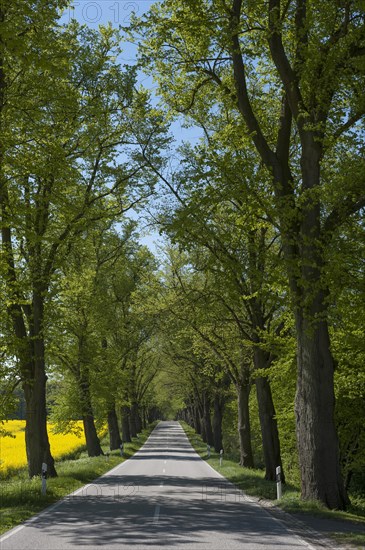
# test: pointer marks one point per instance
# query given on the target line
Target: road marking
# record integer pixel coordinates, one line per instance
(253, 502)
(157, 513)
(161, 484)
(164, 462)
(31, 520)
(64, 499)
(163, 471)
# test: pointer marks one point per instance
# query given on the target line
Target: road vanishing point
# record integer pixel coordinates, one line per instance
(166, 497)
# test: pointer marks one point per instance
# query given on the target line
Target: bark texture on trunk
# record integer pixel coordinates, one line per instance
(144, 417)
(244, 427)
(126, 434)
(318, 447)
(113, 427)
(36, 435)
(269, 428)
(188, 415)
(207, 420)
(91, 436)
(217, 422)
(196, 420)
(133, 421)
(138, 419)
(92, 440)
(314, 407)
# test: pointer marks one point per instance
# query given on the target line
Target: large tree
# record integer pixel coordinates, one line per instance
(293, 73)
(25, 33)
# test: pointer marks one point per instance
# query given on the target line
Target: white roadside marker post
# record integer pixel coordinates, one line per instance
(44, 478)
(221, 457)
(208, 450)
(121, 449)
(278, 482)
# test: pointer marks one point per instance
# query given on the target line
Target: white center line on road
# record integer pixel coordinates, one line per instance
(164, 462)
(157, 513)
(163, 471)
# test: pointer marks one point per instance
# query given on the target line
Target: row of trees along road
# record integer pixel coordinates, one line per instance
(263, 218)
(99, 346)
(281, 82)
(68, 112)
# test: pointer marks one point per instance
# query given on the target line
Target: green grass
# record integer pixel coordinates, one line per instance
(252, 482)
(21, 497)
(291, 503)
(355, 539)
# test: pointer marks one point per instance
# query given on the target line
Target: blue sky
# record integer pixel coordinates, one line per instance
(118, 12)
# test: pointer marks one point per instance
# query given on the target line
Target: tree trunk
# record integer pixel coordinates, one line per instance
(207, 420)
(314, 407)
(196, 420)
(126, 434)
(348, 477)
(91, 436)
(244, 428)
(319, 456)
(92, 440)
(114, 435)
(269, 428)
(36, 435)
(203, 432)
(153, 414)
(133, 421)
(189, 416)
(143, 418)
(138, 421)
(217, 422)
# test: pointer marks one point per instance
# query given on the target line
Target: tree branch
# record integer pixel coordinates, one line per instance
(350, 122)
(286, 72)
(243, 100)
(340, 213)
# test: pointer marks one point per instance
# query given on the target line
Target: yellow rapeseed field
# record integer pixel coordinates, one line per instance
(12, 450)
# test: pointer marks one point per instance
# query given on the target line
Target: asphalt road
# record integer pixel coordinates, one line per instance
(165, 496)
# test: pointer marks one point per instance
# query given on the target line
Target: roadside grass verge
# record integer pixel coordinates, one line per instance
(252, 482)
(355, 539)
(21, 498)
